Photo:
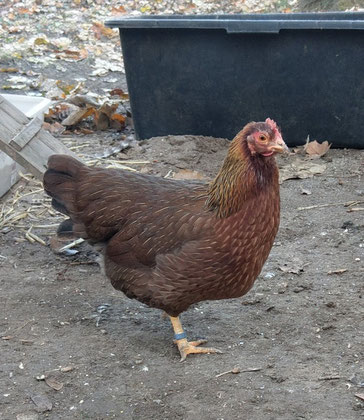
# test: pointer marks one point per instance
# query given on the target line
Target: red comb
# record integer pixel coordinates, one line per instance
(272, 124)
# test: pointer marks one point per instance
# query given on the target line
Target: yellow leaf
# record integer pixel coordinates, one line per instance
(40, 41)
(8, 70)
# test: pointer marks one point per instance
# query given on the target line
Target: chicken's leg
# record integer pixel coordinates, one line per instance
(188, 347)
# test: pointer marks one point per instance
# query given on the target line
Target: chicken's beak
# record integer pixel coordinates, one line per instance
(279, 146)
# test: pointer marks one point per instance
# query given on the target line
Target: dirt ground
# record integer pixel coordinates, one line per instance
(73, 348)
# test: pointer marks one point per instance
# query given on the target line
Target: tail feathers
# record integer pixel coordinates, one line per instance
(65, 228)
(65, 164)
(60, 181)
(59, 207)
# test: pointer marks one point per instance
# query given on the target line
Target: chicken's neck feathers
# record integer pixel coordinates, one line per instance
(241, 177)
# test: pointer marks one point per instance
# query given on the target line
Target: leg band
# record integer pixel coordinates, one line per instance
(180, 336)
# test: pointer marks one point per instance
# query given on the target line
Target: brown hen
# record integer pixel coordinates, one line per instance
(171, 243)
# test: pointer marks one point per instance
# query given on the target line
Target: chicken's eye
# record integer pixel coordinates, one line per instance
(262, 137)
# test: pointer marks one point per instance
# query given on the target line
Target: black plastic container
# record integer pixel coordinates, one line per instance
(209, 75)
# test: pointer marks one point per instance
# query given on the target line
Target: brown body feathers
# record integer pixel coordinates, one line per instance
(172, 243)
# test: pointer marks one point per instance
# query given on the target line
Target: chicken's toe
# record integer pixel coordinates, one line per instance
(185, 348)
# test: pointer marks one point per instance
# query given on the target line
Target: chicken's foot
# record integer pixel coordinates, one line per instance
(188, 347)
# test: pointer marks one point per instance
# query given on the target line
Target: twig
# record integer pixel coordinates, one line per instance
(346, 204)
(338, 271)
(46, 226)
(120, 166)
(237, 370)
(28, 193)
(72, 244)
(37, 238)
(355, 209)
(29, 238)
(329, 378)
(129, 162)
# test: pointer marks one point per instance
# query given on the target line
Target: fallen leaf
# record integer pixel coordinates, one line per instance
(67, 89)
(100, 30)
(72, 55)
(78, 115)
(55, 128)
(315, 149)
(85, 130)
(53, 383)
(42, 403)
(101, 120)
(24, 11)
(188, 174)
(9, 70)
(300, 169)
(118, 117)
(295, 266)
(60, 111)
(41, 41)
(119, 92)
(117, 10)
(82, 100)
(108, 109)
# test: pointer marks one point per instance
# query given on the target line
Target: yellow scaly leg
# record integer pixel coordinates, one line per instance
(188, 347)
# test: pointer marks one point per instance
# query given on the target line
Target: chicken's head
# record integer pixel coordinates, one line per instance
(265, 139)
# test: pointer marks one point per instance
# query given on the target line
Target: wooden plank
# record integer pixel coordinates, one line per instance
(30, 146)
(13, 111)
(26, 134)
(23, 161)
(8, 122)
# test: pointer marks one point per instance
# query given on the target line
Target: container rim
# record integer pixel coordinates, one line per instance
(270, 22)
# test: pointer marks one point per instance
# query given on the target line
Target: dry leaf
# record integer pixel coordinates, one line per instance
(78, 116)
(82, 100)
(108, 109)
(117, 10)
(300, 169)
(53, 383)
(41, 41)
(296, 266)
(55, 128)
(188, 174)
(85, 130)
(119, 92)
(9, 70)
(119, 118)
(72, 55)
(315, 149)
(100, 30)
(101, 120)
(60, 111)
